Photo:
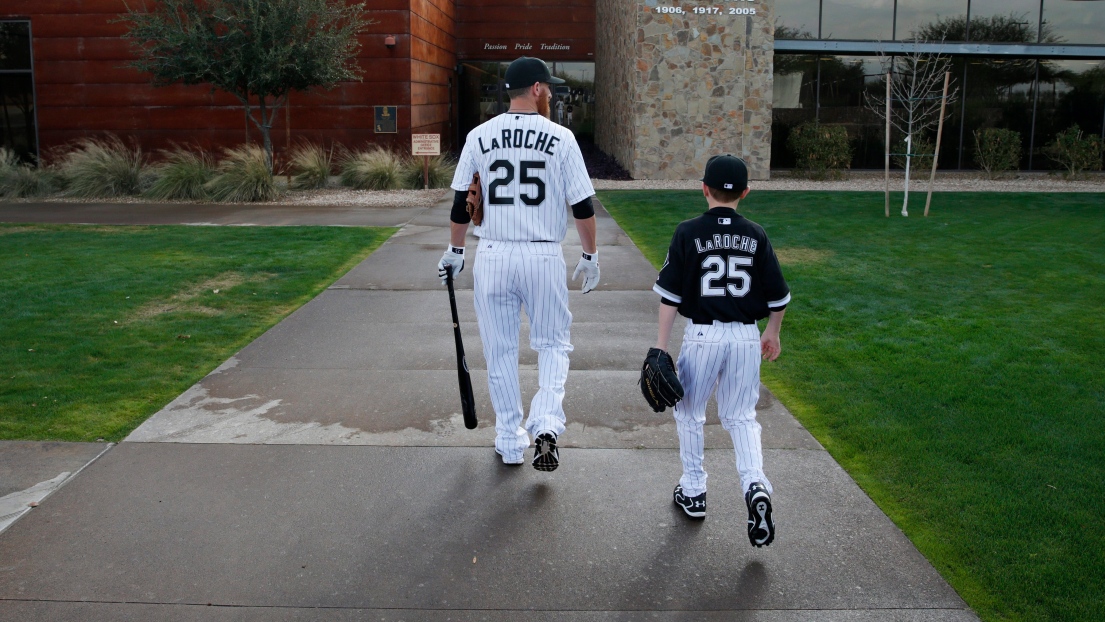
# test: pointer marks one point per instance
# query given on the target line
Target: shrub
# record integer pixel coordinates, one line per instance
(26, 181)
(997, 151)
(922, 151)
(310, 166)
(243, 175)
(103, 167)
(375, 169)
(822, 150)
(1075, 151)
(440, 172)
(182, 176)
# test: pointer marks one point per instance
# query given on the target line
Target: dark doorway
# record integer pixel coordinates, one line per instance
(18, 131)
(482, 96)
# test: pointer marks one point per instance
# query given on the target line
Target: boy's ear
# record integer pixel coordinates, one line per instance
(745, 193)
(705, 192)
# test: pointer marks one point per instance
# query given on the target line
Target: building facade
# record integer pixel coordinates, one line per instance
(658, 84)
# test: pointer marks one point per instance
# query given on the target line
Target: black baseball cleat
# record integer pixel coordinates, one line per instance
(695, 507)
(545, 456)
(761, 529)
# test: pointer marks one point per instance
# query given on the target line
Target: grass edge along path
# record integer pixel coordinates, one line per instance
(951, 365)
(101, 326)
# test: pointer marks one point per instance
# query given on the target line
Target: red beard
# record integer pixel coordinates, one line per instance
(543, 107)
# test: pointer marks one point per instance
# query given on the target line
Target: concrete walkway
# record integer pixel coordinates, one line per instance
(323, 473)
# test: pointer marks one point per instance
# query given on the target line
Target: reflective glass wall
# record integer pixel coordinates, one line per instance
(17, 95)
(1035, 97)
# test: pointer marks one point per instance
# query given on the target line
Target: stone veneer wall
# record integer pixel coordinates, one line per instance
(615, 78)
(684, 87)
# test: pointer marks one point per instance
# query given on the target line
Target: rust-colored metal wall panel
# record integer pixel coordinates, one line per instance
(84, 85)
(433, 57)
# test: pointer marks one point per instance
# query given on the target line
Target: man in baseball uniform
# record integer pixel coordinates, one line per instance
(722, 275)
(530, 170)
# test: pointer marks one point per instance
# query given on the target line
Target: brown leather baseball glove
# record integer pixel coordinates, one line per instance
(475, 200)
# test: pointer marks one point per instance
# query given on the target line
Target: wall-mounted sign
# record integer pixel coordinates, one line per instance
(385, 120)
(425, 144)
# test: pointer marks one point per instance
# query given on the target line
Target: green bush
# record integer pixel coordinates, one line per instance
(1075, 152)
(440, 172)
(310, 166)
(182, 176)
(243, 176)
(922, 151)
(375, 169)
(997, 151)
(103, 167)
(822, 150)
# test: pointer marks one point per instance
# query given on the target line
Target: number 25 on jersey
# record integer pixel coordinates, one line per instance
(718, 269)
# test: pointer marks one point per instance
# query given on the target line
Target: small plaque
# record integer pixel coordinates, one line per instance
(425, 144)
(386, 120)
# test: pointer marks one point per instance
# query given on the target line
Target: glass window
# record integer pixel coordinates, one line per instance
(844, 79)
(857, 19)
(794, 102)
(796, 19)
(929, 19)
(1004, 21)
(1073, 21)
(15, 45)
(998, 94)
(1071, 93)
(17, 95)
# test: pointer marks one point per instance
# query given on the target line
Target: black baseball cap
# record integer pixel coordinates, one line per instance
(726, 172)
(524, 71)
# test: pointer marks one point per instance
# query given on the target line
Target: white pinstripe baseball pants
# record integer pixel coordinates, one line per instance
(725, 356)
(508, 276)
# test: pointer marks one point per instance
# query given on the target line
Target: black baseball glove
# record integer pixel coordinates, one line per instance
(659, 382)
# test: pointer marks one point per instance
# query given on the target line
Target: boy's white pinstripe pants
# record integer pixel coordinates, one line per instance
(725, 356)
(507, 276)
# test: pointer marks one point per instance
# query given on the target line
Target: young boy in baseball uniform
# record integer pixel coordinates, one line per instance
(531, 172)
(722, 275)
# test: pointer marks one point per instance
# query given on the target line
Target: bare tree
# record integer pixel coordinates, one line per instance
(916, 86)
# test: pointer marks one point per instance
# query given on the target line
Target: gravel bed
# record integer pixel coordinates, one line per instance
(861, 181)
(876, 182)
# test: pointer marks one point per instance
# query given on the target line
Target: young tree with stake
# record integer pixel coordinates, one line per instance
(916, 87)
(257, 50)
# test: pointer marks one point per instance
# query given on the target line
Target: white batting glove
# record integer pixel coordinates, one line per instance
(588, 266)
(453, 258)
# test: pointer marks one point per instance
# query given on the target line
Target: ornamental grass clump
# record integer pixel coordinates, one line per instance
(17, 180)
(182, 176)
(103, 167)
(1075, 151)
(243, 176)
(375, 169)
(310, 166)
(997, 151)
(822, 150)
(439, 169)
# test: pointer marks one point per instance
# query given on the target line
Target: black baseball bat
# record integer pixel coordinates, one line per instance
(467, 399)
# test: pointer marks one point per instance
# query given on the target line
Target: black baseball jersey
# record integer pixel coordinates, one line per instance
(720, 266)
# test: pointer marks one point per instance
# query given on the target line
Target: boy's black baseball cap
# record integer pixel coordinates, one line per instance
(726, 172)
(524, 71)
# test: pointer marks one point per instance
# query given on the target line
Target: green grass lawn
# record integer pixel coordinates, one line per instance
(102, 326)
(955, 366)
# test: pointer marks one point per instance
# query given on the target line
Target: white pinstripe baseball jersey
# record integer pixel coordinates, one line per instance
(531, 169)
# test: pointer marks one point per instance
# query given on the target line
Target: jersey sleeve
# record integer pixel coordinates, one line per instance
(669, 284)
(466, 166)
(577, 182)
(775, 288)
